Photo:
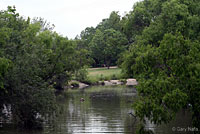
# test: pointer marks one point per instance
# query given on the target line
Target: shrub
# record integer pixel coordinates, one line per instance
(114, 77)
(81, 75)
(123, 81)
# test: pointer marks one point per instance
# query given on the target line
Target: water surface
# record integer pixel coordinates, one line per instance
(104, 110)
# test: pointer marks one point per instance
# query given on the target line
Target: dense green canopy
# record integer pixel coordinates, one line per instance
(105, 42)
(165, 58)
(34, 62)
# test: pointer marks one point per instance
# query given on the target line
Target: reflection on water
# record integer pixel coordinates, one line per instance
(101, 112)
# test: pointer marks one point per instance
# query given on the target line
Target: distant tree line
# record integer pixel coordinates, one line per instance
(105, 42)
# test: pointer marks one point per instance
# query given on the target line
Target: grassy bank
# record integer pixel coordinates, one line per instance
(100, 74)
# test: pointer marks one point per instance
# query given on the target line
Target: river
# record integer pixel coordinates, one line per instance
(104, 110)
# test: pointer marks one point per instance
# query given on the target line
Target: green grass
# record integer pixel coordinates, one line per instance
(99, 74)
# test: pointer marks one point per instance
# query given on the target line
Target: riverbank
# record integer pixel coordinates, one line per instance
(81, 85)
(103, 76)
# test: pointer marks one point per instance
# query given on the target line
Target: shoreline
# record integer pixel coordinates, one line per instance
(80, 85)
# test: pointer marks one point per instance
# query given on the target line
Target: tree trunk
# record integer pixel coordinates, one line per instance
(108, 64)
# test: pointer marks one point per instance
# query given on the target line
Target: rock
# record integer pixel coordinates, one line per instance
(82, 85)
(116, 82)
(112, 82)
(107, 83)
(101, 83)
(131, 82)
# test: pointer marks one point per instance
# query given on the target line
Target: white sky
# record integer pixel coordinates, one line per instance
(70, 17)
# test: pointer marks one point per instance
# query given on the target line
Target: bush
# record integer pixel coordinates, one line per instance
(101, 77)
(81, 75)
(123, 81)
(114, 77)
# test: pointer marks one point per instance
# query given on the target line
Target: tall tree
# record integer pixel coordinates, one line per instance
(113, 22)
(86, 37)
(165, 60)
(143, 13)
(106, 46)
(34, 62)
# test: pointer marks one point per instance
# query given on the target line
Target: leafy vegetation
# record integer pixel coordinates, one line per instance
(34, 62)
(164, 58)
(105, 42)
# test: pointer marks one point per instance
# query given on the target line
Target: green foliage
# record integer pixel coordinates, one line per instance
(142, 130)
(139, 18)
(113, 77)
(106, 46)
(165, 59)
(81, 75)
(105, 42)
(87, 35)
(5, 64)
(113, 22)
(123, 81)
(33, 59)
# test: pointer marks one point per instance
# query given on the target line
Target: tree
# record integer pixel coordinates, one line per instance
(165, 60)
(4, 66)
(60, 58)
(25, 92)
(86, 37)
(95, 41)
(113, 22)
(135, 21)
(106, 46)
(35, 61)
(82, 45)
(96, 46)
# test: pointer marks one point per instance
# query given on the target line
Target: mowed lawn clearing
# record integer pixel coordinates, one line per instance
(98, 74)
